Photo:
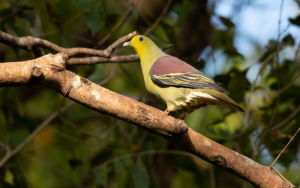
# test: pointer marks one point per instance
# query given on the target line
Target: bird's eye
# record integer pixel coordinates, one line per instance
(141, 39)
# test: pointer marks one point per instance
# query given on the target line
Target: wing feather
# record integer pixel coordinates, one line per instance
(171, 71)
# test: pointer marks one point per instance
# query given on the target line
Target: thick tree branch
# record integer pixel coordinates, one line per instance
(28, 43)
(49, 71)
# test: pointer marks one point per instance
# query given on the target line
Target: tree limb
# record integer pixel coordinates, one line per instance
(49, 71)
(27, 43)
(113, 59)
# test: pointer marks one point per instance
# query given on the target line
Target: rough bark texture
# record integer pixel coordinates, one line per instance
(49, 71)
(229, 160)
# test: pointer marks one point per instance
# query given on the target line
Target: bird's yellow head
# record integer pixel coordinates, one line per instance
(142, 45)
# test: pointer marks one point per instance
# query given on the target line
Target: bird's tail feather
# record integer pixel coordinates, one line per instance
(224, 100)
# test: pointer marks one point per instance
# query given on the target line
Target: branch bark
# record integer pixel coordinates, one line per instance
(28, 43)
(50, 72)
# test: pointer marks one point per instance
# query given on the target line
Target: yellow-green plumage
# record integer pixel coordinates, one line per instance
(168, 87)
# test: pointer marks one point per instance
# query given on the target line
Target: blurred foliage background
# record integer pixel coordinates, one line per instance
(251, 47)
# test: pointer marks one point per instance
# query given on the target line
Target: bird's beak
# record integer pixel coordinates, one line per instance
(127, 43)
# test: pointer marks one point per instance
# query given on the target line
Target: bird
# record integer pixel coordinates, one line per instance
(179, 85)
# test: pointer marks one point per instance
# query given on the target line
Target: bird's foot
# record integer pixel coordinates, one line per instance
(182, 115)
(166, 112)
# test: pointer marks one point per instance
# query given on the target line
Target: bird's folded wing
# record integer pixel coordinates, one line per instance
(171, 71)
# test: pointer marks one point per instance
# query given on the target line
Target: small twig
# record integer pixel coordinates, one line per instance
(288, 85)
(286, 119)
(283, 177)
(79, 129)
(253, 86)
(212, 177)
(158, 19)
(38, 52)
(60, 172)
(112, 59)
(67, 136)
(78, 37)
(111, 75)
(214, 59)
(29, 42)
(284, 149)
(113, 29)
(147, 153)
(62, 27)
(15, 12)
(32, 135)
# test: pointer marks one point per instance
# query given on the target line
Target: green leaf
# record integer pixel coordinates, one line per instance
(123, 164)
(288, 40)
(135, 13)
(139, 175)
(227, 22)
(295, 21)
(94, 19)
(100, 173)
(82, 4)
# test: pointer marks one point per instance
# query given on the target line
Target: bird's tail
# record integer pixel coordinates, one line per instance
(224, 100)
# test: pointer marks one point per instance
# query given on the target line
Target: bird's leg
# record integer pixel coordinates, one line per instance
(166, 111)
(183, 115)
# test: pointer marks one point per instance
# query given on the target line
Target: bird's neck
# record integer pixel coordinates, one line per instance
(148, 57)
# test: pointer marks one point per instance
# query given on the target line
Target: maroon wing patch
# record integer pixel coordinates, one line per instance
(171, 71)
(170, 64)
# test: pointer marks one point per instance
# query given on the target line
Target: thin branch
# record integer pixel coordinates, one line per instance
(11, 153)
(113, 29)
(283, 177)
(29, 42)
(78, 37)
(288, 85)
(147, 153)
(15, 12)
(62, 27)
(286, 119)
(79, 129)
(212, 177)
(159, 18)
(60, 172)
(113, 59)
(253, 86)
(284, 149)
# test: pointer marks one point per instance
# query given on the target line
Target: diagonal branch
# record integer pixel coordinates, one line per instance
(27, 43)
(49, 71)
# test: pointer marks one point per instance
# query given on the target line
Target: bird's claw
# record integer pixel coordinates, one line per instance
(166, 112)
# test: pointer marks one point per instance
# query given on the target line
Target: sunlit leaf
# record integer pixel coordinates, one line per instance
(140, 175)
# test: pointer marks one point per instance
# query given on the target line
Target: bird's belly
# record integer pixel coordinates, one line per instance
(184, 99)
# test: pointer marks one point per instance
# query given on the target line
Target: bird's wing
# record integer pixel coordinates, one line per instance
(171, 71)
